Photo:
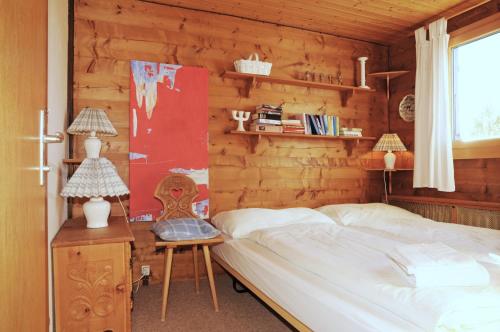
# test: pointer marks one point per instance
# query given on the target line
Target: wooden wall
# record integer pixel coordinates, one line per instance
(282, 172)
(475, 179)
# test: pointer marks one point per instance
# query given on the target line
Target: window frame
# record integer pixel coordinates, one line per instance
(477, 30)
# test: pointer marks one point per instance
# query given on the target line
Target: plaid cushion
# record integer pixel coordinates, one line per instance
(184, 229)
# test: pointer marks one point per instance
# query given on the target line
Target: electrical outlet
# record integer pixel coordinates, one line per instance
(145, 270)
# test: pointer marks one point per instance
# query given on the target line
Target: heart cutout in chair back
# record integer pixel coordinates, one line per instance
(177, 193)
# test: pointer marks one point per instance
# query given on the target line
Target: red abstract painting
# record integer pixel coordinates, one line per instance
(168, 133)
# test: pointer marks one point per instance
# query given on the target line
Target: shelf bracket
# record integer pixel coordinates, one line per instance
(344, 97)
(349, 147)
(387, 86)
(251, 84)
(254, 140)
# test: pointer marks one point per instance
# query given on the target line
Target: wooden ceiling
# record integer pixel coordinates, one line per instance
(379, 21)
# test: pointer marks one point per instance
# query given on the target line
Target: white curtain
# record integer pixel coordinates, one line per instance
(433, 166)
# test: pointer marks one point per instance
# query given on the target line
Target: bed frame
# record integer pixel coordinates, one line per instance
(292, 320)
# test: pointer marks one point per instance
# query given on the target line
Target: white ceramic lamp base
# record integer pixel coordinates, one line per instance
(96, 212)
(390, 160)
(93, 146)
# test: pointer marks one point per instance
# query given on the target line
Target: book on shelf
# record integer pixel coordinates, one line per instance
(266, 115)
(267, 107)
(315, 126)
(291, 122)
(266, 122)
(299, 126)
(326, 125)
(330, 125)
(351, 129)
(356, 132)
(351, 134)
(270, 112)
(297, 129)
(266, 128)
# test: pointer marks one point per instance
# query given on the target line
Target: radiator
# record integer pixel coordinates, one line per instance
(451, 213)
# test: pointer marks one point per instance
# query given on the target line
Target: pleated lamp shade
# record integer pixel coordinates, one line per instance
(92, 120)
(96, 177)
(389, 142)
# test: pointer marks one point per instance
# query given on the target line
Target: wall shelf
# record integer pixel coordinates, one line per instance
(389, 170)
(256, 137)
(254, 81)
(388, 75)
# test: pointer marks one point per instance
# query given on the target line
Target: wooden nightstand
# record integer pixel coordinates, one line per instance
(92, 276)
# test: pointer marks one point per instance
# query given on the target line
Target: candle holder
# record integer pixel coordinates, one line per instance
(241, 117)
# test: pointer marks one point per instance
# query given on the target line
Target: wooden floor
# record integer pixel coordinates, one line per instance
(190, 312)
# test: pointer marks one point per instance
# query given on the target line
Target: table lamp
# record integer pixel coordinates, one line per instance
(92, 121)
(389, 143)
(95, 178)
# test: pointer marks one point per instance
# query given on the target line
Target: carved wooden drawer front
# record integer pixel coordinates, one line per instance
(92, 284)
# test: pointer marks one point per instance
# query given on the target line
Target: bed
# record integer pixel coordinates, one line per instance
(329, 271)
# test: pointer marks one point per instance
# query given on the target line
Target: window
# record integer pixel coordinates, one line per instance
(475, 87)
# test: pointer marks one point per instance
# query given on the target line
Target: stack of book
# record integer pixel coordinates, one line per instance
(327, 125)
(356, 132)
(293, 126)
(267, 119)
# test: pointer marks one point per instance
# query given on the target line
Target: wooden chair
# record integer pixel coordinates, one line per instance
(177, 192)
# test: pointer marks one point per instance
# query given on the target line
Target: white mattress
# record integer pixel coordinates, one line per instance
(314, 301)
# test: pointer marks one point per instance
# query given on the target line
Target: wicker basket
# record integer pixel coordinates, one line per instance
(249, 66)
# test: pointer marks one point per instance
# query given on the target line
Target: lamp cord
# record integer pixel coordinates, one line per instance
(385, 188)
(123, 208)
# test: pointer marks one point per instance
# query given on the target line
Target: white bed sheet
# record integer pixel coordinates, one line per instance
(316, 302)
(356, 260)
(283, 263)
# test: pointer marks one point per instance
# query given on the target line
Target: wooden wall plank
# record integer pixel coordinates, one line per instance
(282, 172)
(378, 21)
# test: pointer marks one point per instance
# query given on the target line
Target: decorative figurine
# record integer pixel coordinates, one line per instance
(339, 76)
(362, 62)
(330, 79)
(240, 116)
(308, 76)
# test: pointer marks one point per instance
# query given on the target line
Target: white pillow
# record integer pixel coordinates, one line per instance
(240, 223)
(365, 214)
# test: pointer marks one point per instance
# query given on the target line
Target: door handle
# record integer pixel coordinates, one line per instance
(45, 139)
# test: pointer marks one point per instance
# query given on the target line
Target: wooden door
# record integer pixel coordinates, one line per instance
(23, 234)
